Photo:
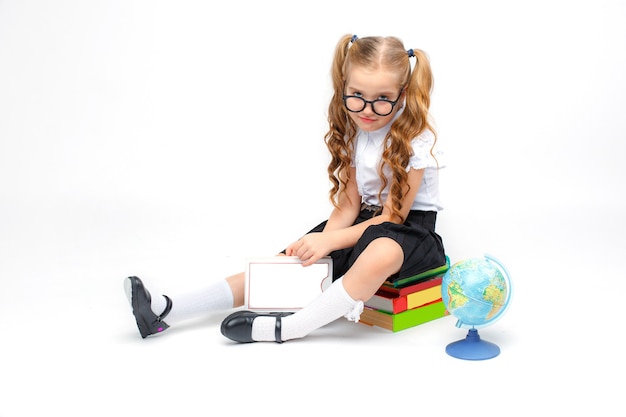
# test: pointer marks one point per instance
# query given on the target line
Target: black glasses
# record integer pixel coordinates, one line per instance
(380, 106)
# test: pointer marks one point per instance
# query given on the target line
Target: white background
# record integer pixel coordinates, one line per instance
(173, 139)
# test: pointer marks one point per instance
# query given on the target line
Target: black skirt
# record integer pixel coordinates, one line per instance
(422, 246)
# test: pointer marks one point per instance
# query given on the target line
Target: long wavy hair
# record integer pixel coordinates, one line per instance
(389, 54)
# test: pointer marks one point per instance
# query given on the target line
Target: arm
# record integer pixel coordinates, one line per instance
(349, 206)
(348, 236)
(343, 234)
(313, 246)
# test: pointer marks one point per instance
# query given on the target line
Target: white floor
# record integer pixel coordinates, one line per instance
(69, 345)
(117, 158)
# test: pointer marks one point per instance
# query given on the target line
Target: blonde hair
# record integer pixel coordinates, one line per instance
(374, 53)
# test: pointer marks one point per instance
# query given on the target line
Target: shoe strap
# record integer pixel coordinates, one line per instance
(168, 308)
(277, 330)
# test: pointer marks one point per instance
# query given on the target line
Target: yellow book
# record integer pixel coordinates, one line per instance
(420, 298)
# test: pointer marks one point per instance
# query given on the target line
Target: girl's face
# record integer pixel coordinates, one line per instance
(372, 85)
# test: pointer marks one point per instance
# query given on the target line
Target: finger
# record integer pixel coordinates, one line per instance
(301, 252)
(310, 261)
(291, 249)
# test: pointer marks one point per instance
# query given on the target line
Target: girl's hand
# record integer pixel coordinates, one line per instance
(310, 248)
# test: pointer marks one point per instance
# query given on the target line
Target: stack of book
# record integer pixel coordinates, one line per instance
(408, 302)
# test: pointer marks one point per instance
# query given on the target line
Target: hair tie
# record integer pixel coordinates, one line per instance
(354, 38)
(411, 53)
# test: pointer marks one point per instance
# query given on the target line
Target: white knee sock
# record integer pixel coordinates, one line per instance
(333, 303)
(213, 298)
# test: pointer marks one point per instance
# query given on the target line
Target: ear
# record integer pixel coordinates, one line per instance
(403, 95)
(402, 99)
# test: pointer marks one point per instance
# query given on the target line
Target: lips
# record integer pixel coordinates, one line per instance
(367, 120)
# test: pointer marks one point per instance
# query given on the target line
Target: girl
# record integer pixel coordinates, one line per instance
(384, 192)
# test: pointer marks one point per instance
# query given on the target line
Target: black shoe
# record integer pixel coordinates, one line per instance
(140, 300)
(238, 326)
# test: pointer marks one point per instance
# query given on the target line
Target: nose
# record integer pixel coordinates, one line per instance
(369, 108)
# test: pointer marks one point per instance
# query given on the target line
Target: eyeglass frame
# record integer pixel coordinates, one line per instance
(371, 102)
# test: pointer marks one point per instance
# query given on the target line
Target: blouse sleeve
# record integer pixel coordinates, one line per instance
(422, 157)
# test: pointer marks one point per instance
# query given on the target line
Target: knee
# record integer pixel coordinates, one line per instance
(385, 250)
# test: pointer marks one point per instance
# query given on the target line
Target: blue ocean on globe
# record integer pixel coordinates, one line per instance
(475, 291)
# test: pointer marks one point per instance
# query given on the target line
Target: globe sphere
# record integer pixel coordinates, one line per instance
(476, 291)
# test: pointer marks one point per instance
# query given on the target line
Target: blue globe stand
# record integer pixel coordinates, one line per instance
(472, 348)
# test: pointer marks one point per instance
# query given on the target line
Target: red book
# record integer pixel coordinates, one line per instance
(402, 291)
(394, 303)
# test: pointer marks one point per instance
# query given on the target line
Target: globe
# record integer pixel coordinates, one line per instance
(477, 292)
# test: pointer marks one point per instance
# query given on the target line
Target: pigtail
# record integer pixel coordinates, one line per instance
(340, 136)
(411, 123)
(421, 86)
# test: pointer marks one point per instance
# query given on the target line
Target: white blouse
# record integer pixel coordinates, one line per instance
(367, 156)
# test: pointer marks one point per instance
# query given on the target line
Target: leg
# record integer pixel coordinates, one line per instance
(237, 284)
(150, 312)
(382, 258)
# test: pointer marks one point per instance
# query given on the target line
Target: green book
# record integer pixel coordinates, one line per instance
(406, 319)
(440, 270)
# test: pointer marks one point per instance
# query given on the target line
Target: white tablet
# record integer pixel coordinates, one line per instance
(281, 283)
